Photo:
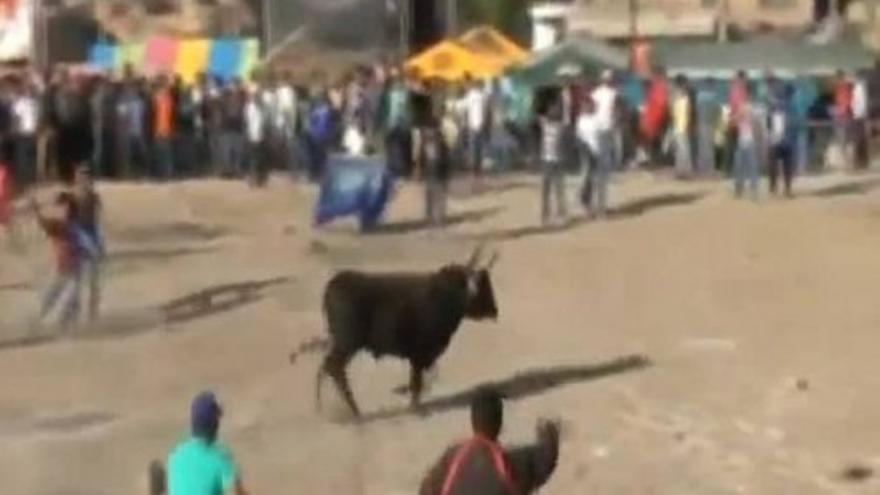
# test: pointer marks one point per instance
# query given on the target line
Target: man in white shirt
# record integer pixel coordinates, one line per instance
(587, 132)
(255, 128)
(605, 100)
(552, 130)
(25, 114)
(860, 121)
(475, 103)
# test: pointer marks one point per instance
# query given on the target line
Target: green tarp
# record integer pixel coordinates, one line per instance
(786, 57)
(584, 54)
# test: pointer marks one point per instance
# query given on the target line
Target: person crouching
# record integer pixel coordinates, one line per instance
(480, 466)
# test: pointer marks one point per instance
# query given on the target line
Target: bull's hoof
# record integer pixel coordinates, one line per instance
(401, 390)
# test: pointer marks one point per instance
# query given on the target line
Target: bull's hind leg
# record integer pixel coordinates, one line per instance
(334, 365)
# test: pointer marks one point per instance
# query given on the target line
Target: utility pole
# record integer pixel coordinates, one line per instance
(266, 26)
(451, 18)
(723, 20)
(633, 30)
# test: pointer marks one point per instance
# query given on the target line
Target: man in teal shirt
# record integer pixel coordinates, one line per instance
(200, 465)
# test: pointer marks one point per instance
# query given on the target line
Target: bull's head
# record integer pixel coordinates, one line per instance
(480, 294)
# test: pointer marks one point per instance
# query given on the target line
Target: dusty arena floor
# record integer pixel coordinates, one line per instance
(761, 323)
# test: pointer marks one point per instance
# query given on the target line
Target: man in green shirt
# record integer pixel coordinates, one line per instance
(200, 465)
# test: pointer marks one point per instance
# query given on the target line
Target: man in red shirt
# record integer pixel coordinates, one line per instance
(59, 227)
(842, 110)
(480, 466)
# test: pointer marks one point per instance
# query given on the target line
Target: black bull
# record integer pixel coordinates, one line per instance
(409, 315)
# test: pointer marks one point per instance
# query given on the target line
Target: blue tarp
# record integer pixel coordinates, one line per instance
(354, 186)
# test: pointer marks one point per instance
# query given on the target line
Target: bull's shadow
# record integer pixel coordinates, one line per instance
(520, 386)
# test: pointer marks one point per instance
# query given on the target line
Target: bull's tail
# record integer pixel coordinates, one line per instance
(316, 344)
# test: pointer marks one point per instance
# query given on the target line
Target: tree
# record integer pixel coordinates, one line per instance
(510, 16)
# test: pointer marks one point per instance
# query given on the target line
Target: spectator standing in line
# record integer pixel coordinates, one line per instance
(130, 113)
(477, 108)
(747, 161)
(163, 131)
(25, 115)
(841, 111)
(233, 121)
(860, 123)
(681, 113)
(805, 94)
(708, 113)
(553, 181)
(605, 99)
(595, 182)
(783, 139)
(256, 123)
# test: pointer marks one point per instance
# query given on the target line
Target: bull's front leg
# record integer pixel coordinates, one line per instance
(416, 383)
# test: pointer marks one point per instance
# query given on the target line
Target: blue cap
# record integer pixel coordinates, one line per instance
(205, 413)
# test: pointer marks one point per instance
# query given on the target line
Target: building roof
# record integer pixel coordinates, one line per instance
(783, 56)
(613, 21)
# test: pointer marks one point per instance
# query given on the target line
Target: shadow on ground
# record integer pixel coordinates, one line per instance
(408, 226)
(173, 231)
(645, 205)
(633, 209)
(521, 386)
(848, 189)
(200, 304)
(156, 254)
(464, 188)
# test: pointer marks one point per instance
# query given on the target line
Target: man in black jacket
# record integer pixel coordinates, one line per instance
(480, 466)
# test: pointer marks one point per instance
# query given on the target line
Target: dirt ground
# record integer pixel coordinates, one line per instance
(759, 322)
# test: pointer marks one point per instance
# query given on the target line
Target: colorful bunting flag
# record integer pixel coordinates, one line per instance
(225, 58)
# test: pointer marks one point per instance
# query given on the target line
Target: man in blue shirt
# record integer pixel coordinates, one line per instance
(200, 465)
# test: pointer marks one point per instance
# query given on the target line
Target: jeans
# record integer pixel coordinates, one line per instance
(163, 159)
(185, 153)
(63, 283)
(683, 162)
(25, 160)
(802, 149)
(232, 149)
(746, 167)
(435, 201)
(600, 173)
(397, 148)
(860, 141)
(476, 141)
(706, 149)
(781, 163)
(258, 170)
(553, 183)
(216, 150)
(133, 153)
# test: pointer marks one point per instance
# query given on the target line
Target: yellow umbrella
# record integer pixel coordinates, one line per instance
(489, 42)
(450, 61)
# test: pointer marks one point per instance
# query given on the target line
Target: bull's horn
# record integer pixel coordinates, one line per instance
(475, 257)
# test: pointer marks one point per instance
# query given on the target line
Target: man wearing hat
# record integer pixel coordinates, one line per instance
(200, 465)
